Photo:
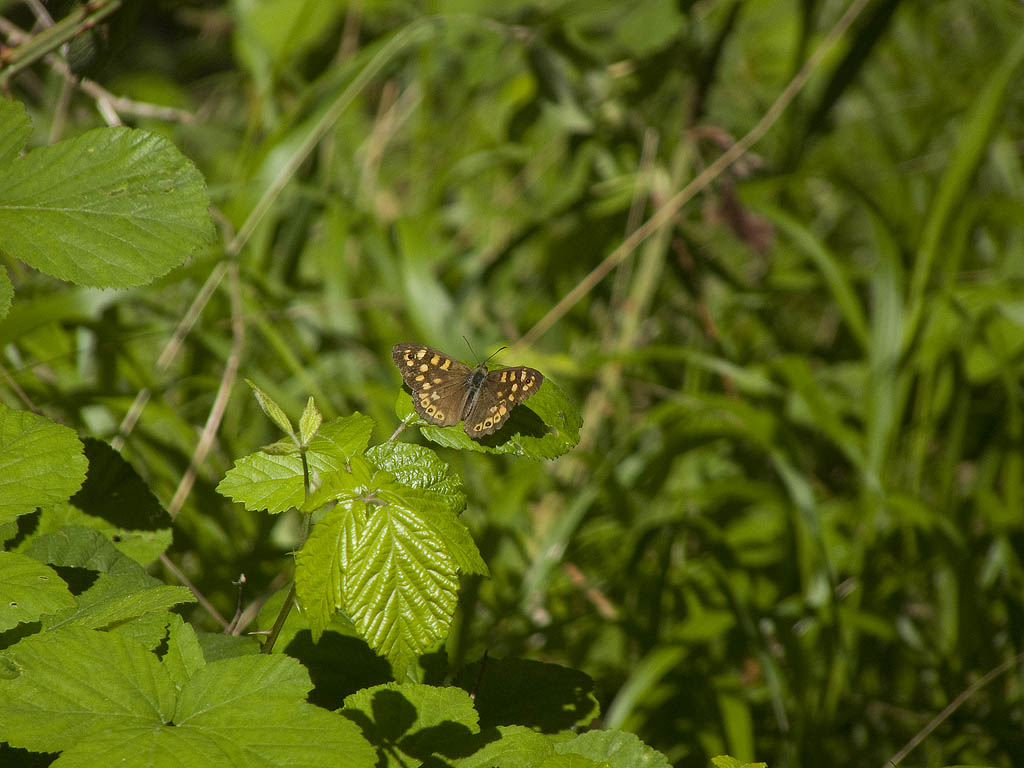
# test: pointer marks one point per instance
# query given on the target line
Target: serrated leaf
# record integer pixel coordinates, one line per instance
(419, 467)
(257, 704)
(119, 707)
(517, 747)
(545, 427)
(75, 682)
(40, 462)
(144, 547)
(725, 761)
(400, 586)
(309, 422)
(114, 491)
(341, 439)
(184, 655)
(273, 411)
(15, 129)
(573, 761)
(394, 580)
(28, 590)
(112, 208)
(274, 481)
(422, 722)
(388, 556)
(616, 748)
(115, 501)
(217, 646)
(6, 292)
(121, 593)
(548, 697)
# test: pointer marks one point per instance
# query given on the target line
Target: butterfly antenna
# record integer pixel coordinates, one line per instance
(495, 352)
(471, 350)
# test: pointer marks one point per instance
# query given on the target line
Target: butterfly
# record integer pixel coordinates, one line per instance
(446, 391)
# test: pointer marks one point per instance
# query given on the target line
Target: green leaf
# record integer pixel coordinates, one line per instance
(309, 422)
(120, 707)
(184, 655)
(401, 585)
(273, 481)
(40, 462)
(517, 747)
(548, 697)
(28, 590)
(255, 706)
(616, 748)
(115, 501)
(122, 593)
(725, 761)
(273, 411)
(419, 467)
(15, 130)
(412, 724)
(572, 761)
(114, 207)
(144, 547)
(116, 684)
(545, 427)
(6, 293)
(388, 556)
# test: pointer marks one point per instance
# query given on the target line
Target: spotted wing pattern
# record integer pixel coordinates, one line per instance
(500, 392)
(446, 391)
(439, 384)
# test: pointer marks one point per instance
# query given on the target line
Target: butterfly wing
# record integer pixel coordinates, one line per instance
(500, 392)
(438, 382)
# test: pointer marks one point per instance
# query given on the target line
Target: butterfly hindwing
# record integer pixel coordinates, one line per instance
(438, 382)
(500, 392)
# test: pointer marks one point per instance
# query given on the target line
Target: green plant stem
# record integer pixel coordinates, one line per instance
(282, 617)
(286, 608)
(82, 18)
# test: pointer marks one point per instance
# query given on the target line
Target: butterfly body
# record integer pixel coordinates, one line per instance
(446, 391)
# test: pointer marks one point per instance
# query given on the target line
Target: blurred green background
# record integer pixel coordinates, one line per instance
(793, 528)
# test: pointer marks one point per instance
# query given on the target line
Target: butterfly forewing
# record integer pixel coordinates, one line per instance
(446, 391)
(438, 382)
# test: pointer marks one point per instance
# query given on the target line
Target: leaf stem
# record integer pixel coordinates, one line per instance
(289, 601)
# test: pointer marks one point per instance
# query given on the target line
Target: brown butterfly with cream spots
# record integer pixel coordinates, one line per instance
(446, 391)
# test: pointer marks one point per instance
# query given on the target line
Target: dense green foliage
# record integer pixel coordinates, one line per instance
(792, 527)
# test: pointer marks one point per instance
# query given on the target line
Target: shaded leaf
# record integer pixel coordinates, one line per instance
(414, 720)
(40, 462)
(28, 590)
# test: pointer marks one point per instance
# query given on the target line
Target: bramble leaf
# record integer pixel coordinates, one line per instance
(309, 422)
(615, 748)
(123, 595)
(273, 411)
(273, 481)
(419, 467)
(28, 590)
(113, 207)
(120, 706)
(15, 130)
(388, 556)
(418, 721)
(40, 462)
